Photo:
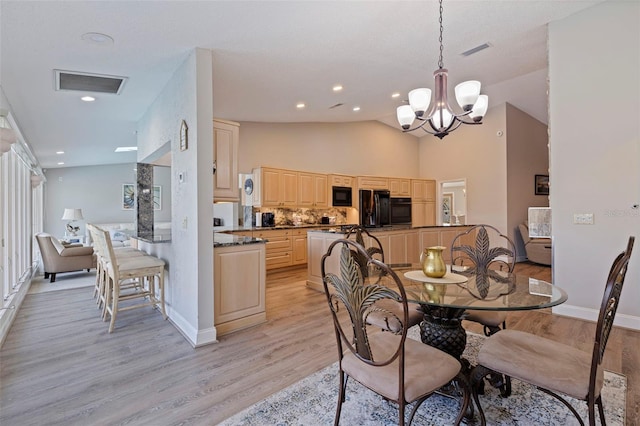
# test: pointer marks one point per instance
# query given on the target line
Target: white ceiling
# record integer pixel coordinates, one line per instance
(268, 56)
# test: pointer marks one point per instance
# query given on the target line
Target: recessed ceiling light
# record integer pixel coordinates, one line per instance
(300, 105)
(61, 163)
(337, 88)
(395, 95)
(356, 108)
(88, 98)
(59, 152)
(97, 38)
(126, 148)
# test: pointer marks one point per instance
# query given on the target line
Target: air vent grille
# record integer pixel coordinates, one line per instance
(85, 82)
(476, 49)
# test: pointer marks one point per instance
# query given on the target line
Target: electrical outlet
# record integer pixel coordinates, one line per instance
(583, 218)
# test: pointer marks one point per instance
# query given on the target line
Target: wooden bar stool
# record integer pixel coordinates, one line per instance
(129, 279)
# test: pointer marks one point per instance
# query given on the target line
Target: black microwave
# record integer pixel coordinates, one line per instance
(341, 196)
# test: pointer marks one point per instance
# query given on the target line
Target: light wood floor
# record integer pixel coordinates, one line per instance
(60, 366)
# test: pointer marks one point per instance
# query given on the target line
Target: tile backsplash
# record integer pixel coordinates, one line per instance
(303, 216)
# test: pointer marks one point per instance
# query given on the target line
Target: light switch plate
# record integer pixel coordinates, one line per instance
(583, 218)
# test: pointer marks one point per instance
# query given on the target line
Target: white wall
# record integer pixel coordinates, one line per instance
(478, 154)
(97, 190)
(358, 148)
(188, 96)
(594, 100)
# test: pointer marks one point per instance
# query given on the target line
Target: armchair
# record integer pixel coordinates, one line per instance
(59, 258)
(538, 249)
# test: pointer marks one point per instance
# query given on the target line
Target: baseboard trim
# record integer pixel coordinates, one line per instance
(622, 320)
(194, 336)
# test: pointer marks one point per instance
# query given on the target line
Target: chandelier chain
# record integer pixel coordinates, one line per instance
(440, 61)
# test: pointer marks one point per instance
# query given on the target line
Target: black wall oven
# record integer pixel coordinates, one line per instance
(341, 196)
(400, 211)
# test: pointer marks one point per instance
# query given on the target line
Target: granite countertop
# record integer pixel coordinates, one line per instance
(154, 237)
(224, 240)
(267, 228)
(339, 230)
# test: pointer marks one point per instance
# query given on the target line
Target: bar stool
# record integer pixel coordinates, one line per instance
(129, 279)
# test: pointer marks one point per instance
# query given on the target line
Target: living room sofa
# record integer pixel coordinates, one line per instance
(121, 232)
(58, 257)
(538, 249)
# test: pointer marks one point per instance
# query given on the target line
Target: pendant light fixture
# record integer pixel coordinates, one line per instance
(437, 118)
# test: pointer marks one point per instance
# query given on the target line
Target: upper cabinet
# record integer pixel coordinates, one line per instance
(275, 187)
(312, 190)
(423, 190)
(400, 187)
(373, 182)
(226, 136)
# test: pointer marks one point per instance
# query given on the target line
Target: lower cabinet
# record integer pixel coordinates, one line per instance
(299, 246)
(238, 287)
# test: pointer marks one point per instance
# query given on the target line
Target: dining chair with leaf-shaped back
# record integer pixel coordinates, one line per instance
(399, 369)
(374, 249)
(553, 367)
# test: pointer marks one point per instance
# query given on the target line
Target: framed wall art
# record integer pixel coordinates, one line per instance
(157, 197)
(542, 185)
(128, 196)
(184, 136)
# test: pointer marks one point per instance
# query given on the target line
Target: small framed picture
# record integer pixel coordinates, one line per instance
(542, 185)
(184, 136)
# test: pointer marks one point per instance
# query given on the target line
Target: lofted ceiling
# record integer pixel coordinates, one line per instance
(268, 56)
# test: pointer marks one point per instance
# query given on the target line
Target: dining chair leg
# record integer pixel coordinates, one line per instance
(161, 285)
(114, 305)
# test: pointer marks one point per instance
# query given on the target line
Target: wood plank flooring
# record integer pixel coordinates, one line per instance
(60, 366)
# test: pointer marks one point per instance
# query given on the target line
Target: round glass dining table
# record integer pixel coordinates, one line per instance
(444, 301)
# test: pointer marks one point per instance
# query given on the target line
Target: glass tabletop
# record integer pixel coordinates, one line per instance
(467, 289)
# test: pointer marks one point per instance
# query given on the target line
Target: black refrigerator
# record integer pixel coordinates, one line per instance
(375, 208)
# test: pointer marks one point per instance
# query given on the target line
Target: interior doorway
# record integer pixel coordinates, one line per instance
(452, 202)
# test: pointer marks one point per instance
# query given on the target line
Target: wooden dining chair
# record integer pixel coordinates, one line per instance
(399, 369)
(375, 250)
(490, 250)
(553, 367)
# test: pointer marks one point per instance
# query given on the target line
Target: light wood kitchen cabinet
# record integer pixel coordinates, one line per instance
(372, 182)
(239, 287)
(423, 190)
(275, 187)
(226, 136)
(299, 246)
(312, 190)
(340, 180)
(400, 187)
(423, 213)
(279, 253)
(443, 236)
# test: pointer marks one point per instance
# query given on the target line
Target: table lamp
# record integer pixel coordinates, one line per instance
(72, 215)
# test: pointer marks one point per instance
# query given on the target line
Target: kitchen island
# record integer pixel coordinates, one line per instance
(239, 282)
(400, 244)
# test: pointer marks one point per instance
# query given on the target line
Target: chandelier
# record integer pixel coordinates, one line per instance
(438, 115)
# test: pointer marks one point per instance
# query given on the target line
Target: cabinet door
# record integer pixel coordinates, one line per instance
(289, 194)
(306, 189)
(225, 157)
(270, 187)
(423, 213)
(299, 249)
(320, 191)
(413, 247)
(397, 249)
(418, 190)
(431, 190)
(400, 187)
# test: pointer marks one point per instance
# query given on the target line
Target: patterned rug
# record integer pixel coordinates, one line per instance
(312, 401)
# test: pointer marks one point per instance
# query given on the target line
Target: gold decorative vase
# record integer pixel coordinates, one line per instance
(432, 263)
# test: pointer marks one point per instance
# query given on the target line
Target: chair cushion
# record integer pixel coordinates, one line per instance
(541, 362)
(117, 235)
(426, 368)
(390, 322)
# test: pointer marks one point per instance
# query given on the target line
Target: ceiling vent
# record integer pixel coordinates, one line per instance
(85, 82)
(476, 49)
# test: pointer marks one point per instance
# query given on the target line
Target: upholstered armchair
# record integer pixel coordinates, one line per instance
(60, 258)
(538, 249)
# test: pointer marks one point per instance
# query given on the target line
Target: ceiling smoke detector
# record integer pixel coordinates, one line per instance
(86, 82)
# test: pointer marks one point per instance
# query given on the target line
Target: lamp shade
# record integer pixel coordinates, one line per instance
(480, 108)
(72, 214)
(467, 94)
(419, 99)
(405, 116)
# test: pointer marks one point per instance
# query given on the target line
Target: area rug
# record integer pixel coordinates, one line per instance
(66, 281)
(312, 401)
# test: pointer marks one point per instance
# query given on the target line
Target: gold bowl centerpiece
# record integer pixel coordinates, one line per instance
(432, 263)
